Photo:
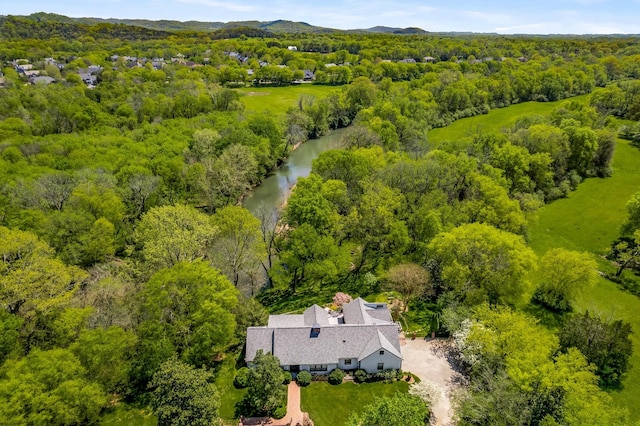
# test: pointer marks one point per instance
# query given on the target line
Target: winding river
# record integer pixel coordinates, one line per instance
(275, 189)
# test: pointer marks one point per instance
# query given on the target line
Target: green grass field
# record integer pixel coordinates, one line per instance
(330, 405)
(229, 395)
(588, 220)
(279, 99)
(497, 119)
(126, 415)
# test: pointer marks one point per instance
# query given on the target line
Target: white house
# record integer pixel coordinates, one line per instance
(363, 337)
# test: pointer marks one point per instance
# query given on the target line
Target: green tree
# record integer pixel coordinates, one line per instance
(625, 251)
(565, 274)
(307, 205)
(265, 392)
(307, 255)
(172, 234)
(238, 244)
(48, 387)
(481, 263)
(31, 278)
(519, 377)
(607, 345)
(375, 226)
(9, 334)
(184, 396)
(632, 223)
(106, 355)
(193, 302)
(398, 410)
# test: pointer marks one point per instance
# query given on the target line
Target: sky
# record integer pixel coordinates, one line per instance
(492, 16)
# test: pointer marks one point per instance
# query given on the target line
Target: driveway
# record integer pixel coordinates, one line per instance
(426, 359)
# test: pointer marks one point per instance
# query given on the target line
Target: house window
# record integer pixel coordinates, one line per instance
(318, 367)
(347, 361)
(380, 366)
(381, 352)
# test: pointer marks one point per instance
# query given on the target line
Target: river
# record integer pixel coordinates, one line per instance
(275, 189)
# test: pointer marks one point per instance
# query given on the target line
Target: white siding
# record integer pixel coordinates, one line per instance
(389, 360)
(343, 366)
(330, 368)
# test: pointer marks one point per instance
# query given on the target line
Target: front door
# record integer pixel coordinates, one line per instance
(294, 368)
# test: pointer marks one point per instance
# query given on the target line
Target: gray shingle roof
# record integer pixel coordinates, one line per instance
(355, 312)
(284, 321)
(316, 315)
(289, 336)
(258, 338)
(377, 342)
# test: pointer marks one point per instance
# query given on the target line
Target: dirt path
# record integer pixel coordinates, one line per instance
(426, 359)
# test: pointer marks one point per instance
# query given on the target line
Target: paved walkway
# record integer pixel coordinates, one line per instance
(427, 360)
(294, 414)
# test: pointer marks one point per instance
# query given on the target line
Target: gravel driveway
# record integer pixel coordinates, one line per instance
(426, 359)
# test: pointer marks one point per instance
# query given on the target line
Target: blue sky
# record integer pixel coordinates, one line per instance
(501, 16)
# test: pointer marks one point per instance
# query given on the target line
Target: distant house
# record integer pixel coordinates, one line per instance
(429, 59)
(293, 48)
(308, 75)
(31, 73)
(408, 61)
(363, 336)
(42, 79)
(88, 79)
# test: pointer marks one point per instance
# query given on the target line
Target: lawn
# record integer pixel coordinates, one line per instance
(229, 395)
(496, 120)
(126, 415)
(280, 99)
(330, 405)
(588, 220)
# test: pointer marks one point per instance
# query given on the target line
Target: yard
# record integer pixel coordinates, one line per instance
(588, 220)
(280, 99)
(330, 405)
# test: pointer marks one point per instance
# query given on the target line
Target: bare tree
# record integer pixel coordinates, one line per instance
(410, 280)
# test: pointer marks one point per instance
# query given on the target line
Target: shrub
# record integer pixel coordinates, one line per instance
(242, 378)
(341, 298)
(303, 378)
(287, 378)
(315, 377)
(386, 375)
(280, 412)
(360, 376)
(336, 376)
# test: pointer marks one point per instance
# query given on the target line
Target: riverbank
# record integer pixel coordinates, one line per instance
(276, 188)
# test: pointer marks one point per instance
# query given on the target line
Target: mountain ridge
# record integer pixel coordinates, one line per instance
(276, 26)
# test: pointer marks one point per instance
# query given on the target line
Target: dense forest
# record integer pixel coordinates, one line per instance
(125, 153)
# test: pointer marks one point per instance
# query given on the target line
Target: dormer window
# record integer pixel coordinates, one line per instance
(315, 330)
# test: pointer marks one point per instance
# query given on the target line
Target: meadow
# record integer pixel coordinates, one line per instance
(588, 220)
(279, 99)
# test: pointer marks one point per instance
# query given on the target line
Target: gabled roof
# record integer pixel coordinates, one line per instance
(355, 312)
(367, 328)
(315, 315)
(379, 342)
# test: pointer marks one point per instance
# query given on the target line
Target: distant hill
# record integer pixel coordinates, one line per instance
(391, 30)
(278, 26)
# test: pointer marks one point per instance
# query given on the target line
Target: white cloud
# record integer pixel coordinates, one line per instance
(491, 18)
(222, 5)
(535, 28)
